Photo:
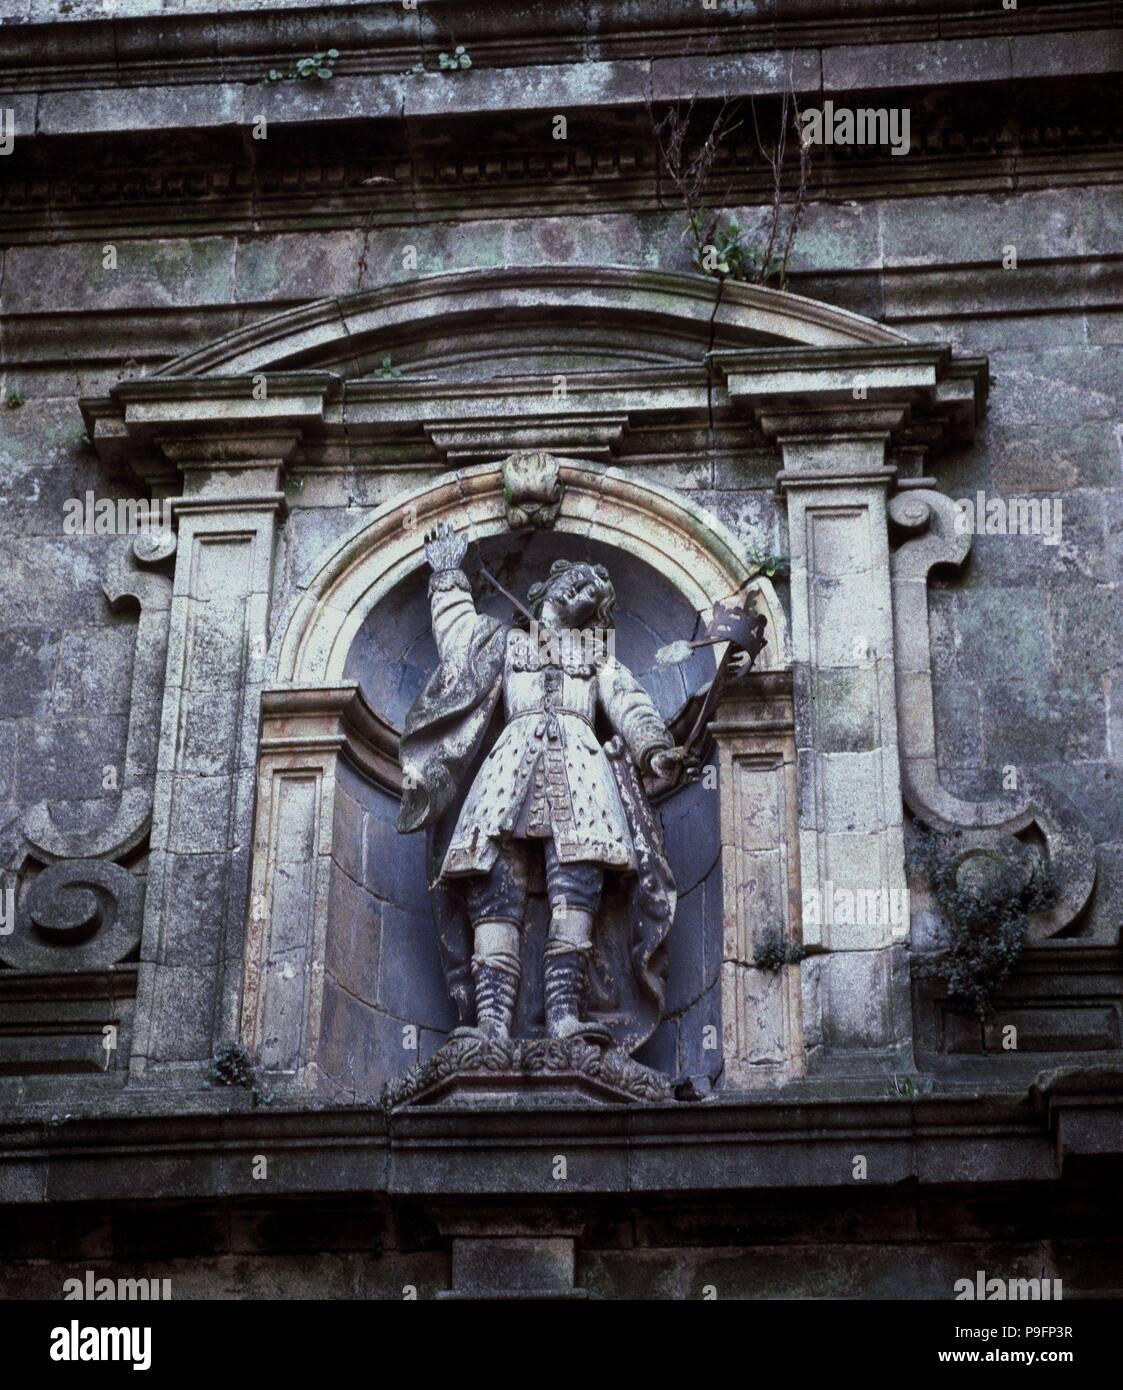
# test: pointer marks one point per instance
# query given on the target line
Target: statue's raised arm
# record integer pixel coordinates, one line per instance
(450, 594)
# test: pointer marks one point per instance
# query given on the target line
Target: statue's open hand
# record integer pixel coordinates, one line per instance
(444, 549)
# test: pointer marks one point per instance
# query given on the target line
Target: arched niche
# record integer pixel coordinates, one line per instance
(673, 536)
(347, 660)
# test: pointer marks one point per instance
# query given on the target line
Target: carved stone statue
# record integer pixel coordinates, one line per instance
(568, 779)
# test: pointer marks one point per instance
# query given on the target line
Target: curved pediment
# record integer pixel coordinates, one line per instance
(519, 320)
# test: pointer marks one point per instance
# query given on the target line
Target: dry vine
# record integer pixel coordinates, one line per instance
(719, 250)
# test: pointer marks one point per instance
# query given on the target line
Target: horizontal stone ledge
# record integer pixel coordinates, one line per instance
(565, 86)
(200, 1152)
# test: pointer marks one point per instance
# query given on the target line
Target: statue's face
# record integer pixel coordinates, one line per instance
(574, 596)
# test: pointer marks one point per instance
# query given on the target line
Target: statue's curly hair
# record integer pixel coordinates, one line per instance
(536, 594)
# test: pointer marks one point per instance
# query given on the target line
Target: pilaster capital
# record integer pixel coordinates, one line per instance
(224, 437)
(836, 410)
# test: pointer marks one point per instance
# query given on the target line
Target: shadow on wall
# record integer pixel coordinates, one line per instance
(385, 1001)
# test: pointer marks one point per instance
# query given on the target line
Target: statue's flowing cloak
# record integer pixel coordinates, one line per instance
(443, 736)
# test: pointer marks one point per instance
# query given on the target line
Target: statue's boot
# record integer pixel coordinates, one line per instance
(496, 970)
(496, 992)
(566, 982)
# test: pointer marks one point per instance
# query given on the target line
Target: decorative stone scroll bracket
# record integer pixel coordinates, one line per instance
(1071, 852)
(84, 912)
(76, 916)
(127, 826)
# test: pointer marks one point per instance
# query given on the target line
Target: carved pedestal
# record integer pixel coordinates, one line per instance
(527, 1072)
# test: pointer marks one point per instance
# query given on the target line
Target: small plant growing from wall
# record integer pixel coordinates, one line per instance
(764, 562)
(232, 1065)
(15, 400)
(773, 952)
(721, 250)
(387, 371)
(908, 1087)
(317, 66)
(459, 60)
(984, 902)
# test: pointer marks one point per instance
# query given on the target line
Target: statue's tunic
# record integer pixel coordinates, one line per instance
(547, 774)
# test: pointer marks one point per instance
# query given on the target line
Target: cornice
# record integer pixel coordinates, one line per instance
(130, 1145)
(230, 190)
(49, 49)
(795, 391)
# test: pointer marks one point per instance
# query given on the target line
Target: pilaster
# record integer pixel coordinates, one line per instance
(226, 520)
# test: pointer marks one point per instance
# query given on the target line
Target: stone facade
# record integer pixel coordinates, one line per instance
(314, 318)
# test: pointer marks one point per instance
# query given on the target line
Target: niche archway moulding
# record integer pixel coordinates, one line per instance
(667, 531)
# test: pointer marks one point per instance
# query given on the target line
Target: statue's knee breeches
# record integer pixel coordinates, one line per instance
(574, 891)
(500, 894)
(496, 903)
(577, 885)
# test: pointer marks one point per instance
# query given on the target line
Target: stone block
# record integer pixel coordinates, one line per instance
(102, 111)
(1051, 459)
(411, 981)
(1043, 722)
(360, 1046)
(66, 759)
(939, 63)
(1087, 630)
(200, 813)
(686, 963)
(845, 710)
(163, 273)
(510, 1265)
(27, 661)
(856, 988)
(348, 831)
(918, 231)
(94, 670)
(1082, 553)
(848, 620)
(296, 266)
(195, 917)
(202, 712)
(766, 1026)
(958, 724)
(690, 833)
(182, 1016)
(396, 869)
(353, 936)
(1094, 788)
(1007, 627)
(8, 739)
(1055, 386)
(851, 792)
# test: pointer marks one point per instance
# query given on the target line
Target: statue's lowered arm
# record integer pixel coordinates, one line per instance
(633, 715)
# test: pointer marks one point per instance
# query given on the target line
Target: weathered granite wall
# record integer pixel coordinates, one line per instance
(801, 1246)
(140, 217)
(1019, 151)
